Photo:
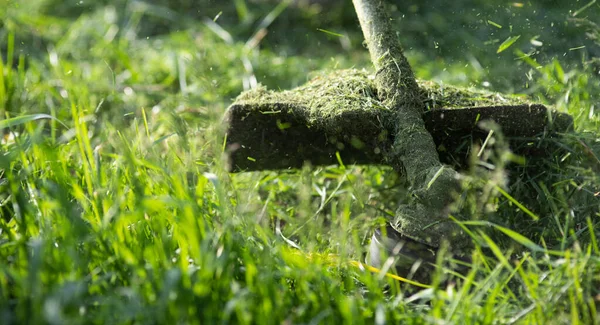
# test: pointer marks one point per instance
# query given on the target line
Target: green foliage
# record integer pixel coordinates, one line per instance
(126, 215)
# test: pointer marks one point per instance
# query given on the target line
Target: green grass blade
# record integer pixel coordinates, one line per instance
(514, 236)
(496, 250)
(517, 203)
(14, 121)
(521, 239)
(507, 43)
(2, 89)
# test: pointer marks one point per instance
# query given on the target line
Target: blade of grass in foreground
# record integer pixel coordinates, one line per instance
(14, 121)
(332, 258)
(517, 203)
(515, 236)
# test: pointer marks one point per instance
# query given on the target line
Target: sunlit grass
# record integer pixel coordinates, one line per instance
(116, 207)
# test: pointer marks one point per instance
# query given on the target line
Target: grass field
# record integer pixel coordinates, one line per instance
(116, 206)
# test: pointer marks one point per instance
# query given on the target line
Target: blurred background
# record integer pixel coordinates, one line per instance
(450, 41)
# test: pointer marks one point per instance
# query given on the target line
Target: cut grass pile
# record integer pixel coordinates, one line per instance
(115, 206)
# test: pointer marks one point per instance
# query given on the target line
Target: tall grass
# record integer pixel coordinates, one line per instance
(115, 206)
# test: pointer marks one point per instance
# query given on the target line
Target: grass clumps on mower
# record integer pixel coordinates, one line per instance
(325, 100)
(338, 113)
(440, 96)
(330, 95)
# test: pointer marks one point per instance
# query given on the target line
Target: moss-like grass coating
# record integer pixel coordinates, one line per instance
(328, 96)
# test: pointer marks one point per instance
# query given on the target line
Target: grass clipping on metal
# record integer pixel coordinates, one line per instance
(329, 96)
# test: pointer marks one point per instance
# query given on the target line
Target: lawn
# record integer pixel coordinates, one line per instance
(117, 207)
